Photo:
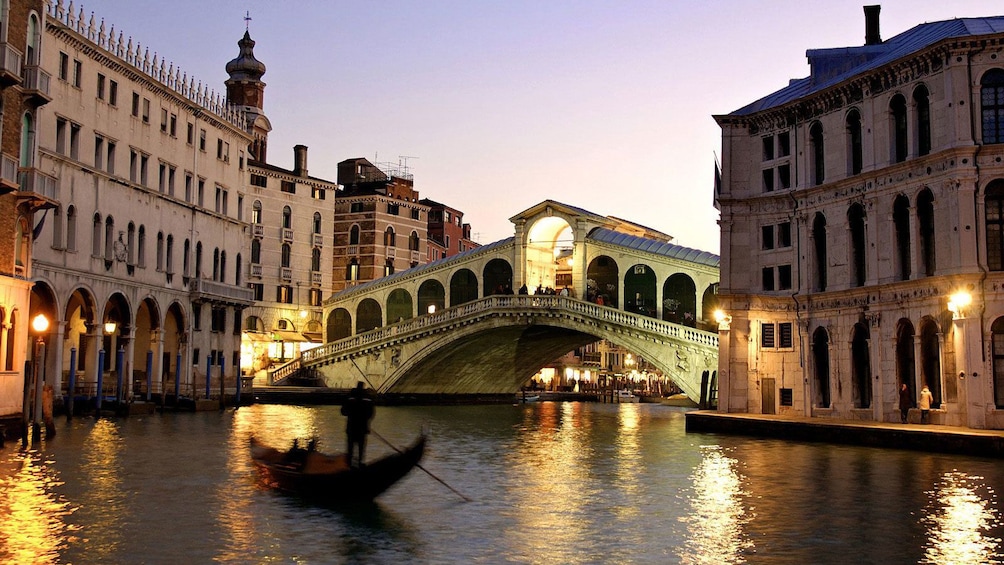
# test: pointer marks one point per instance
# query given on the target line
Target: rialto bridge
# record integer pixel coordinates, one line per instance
(485, 321)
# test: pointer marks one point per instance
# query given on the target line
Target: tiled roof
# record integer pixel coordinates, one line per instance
(875, 56)
(655, 246)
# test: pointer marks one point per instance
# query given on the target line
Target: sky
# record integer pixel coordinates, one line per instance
(495, 106)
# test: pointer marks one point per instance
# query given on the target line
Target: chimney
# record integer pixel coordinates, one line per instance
(300, 160)
(872, 35)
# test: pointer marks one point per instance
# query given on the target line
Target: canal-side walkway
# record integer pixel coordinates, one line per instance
(920, 437)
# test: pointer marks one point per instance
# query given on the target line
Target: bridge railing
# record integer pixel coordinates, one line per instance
(520, 303)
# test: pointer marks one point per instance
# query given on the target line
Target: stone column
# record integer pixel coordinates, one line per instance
(54, 374)
(157, 346)
(972, 384)
(4, 330)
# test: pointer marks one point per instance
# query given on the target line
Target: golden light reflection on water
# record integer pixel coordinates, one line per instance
(629, 456)
(716, 523)
(961, 510)
(107, 505)
(33, 528)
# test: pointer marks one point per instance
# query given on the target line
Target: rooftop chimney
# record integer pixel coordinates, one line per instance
(300, 160)
(872, 36)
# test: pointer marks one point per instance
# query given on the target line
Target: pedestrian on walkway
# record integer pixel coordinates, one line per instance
(926, 398)
(905, 402)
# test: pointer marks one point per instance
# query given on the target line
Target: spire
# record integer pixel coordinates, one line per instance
(245, 66)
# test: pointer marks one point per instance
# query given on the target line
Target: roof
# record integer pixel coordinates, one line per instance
(656, 247)
(834, 66)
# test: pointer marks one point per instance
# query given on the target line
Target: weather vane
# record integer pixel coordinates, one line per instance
(247, 20)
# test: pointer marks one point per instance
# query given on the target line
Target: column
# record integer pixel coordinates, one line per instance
(157, 340)
(94, 337)
(4, 330)
(54, 374)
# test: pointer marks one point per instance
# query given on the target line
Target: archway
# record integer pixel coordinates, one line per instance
(368, 315)
(709, 303)
(821, 367)
(118, 330)
(547, 240)
(930, 359)
(905, 368)
(431, 295)
(861, 369)
(175, 340)
(679, 300)
(639, 290)
(339, 325)
(399, 306)
(602, 280)
(496, 277)
(463, 287)
(79, 315)
(144, 339)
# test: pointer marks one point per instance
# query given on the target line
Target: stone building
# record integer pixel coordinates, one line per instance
(24, 188)
(862, 212)
(448, 233)
(380, 224)
(143, 261)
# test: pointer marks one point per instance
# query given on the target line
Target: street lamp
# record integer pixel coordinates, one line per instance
(957, 304)
(723, 319)
(110, 327)
(40, 324)
(432, 308)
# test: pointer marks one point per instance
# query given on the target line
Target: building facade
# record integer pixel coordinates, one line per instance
(448, 234)
(862, 212)
(142, 264)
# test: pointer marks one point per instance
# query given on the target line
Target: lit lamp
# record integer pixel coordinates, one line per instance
(432, 308)
(110, 327)
(303, 314)
(40, 324)
(957, 304)
(723, 319)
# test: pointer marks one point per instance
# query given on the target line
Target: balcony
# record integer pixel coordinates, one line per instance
(353, 250)
(287, 235)
(315, 278)
(36, 85)
(285, 273)
(257, 230)
(8, 174)
(256, 270)
(415, 257)
(37, 187)
(211, 291)
(10, 65)
(318, 240)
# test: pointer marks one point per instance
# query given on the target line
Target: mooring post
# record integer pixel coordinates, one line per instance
(209, 373)
(101, 381)
(149, 374)
(177, 380)
(71, 386)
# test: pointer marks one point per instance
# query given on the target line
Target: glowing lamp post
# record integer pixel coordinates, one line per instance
(958, 303)
(40, 324)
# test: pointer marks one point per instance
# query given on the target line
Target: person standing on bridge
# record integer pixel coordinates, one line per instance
(358, 411)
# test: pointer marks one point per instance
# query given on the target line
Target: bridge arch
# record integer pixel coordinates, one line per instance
(639, 290)
(463, 287)
(369, 315)
(431, 294)
(400, 306)
(496, 277)
(546, 238)
(680, 300)
(339, 325)
(603, 280)
(709, 302)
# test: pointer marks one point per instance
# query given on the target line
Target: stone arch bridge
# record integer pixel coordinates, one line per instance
(485, 321)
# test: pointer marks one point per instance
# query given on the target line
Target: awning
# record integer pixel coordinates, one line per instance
(258, 336)
(280, 335)
(313, 337)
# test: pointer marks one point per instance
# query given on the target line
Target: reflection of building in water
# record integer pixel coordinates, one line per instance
(861, 221)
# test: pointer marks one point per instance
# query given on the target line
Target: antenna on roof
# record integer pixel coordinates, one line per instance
(402, 161)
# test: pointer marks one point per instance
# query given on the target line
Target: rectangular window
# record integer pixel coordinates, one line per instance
(61, 128)
(77, 71)
(202, 192)
(259, 180)
(416, 214)
(99, 151)
(146, 110)
(259, 291)
(202, 140)
(767, 336)
(284, 294)
(315, 297)
(219, 149)
(219, 321)
(784, 176)
(356, 207)
(288, 186)
(110, 163)
(768, 148)
(768, 180)
(113, 93)
(767, 237)
(144, 161)
(392, 209)
(170, 179)
(767, 274)
(784, 234)
(783, 144)
(218, 202)
(191, 134)
(188, 187)
(163, 120)
(240, 207)
(785, 337)
(101, 86)
(197, 319)
(133, 165)
(74, 141)
(162, 178)
(173, 128)
(135, 104)
(317, 193)
(64, 66)
(784, 277)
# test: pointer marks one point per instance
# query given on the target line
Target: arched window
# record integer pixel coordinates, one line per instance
(922, 103)
(169, 263)
(413, 241)
(223, 266)
(388, 237)
(925, 221)
(354, 235)
(992, 106)
(71, 229)
(854, 150)
(109, 239)
(901, 224)
(27, 140)
(856, 223)
(22, 245)
(818, 164)
(141, 247)
(997, 339)
(160, 251)
(900, 144)
(256, 212)
(96, 236)
(930, 359)
(186, 262)
(287, 253)
(994, 218)
(819, 245)
(216, 264)
(287, 217)
(57, 227)
(821, 366)
(315, 260)
(198, 260)
(256, 251)
(131, 244)
(906, 372)
(33, 39)
(317, 222)
(861, 371)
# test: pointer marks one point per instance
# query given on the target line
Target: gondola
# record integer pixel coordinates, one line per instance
(329, 479)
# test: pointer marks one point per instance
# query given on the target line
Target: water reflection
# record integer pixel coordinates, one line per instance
(961, 511)
(718, 517)
(104, 502)
(33, 526)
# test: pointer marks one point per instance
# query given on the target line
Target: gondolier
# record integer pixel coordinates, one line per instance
(358, 410)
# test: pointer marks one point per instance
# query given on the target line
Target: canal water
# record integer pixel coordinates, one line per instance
(560, 483)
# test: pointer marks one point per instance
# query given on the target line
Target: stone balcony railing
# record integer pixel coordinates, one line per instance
(36, 84)
(10, 65)
(8, 173)
(213, 291)
(31, 179)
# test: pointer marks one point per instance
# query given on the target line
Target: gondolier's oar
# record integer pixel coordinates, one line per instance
(397, 449)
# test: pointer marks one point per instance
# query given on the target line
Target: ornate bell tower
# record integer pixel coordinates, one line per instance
(246, 90)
